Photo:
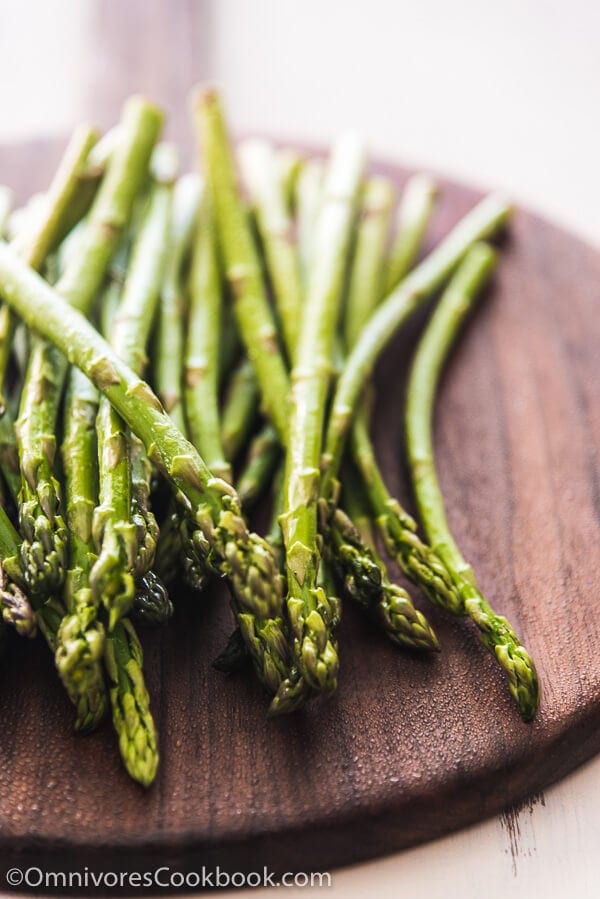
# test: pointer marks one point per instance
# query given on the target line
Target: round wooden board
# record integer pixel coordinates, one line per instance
(410, 747)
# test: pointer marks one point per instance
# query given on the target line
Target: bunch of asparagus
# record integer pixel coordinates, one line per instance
(255, 298)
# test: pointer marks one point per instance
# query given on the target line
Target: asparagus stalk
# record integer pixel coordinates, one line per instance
(201, 364)
(51, 223)
(312, 613)
(242, 266)
(15, 607)
(393, 609)
(483, 221)
(496, 632)
(43, 550)
(240, 409)
(132, 717)
(366, 272)
(169, 343)
(80, 638)
(289, 165)
(152, 604)
(263, 457)
(6, 201)
(418, 561)
(125, 531)
(308, 200)
(9, 454)
(259, 171)
(219, 533)
(412, 219)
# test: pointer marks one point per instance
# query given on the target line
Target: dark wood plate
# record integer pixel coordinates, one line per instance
(409, 748)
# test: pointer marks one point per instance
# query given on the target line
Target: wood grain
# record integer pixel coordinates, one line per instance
(409, 748)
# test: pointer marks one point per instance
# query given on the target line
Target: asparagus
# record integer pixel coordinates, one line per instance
(240, 409)
(152, 604)
(51, 223)
(308, 200)
(80, 638)
(201, 364)
(242, 266)
(6, 201)
(313, 615)
(367, 266)
(9, 454)
(219, 533)
(263, 457)
(393, 608)
(483, 221)
(496, 632)
(289, 165)
(169, 342)
(15, 607)
(125, 530)
(132, 717)
(259, 171)
(44, 546)
(418, 561)
(413, 217)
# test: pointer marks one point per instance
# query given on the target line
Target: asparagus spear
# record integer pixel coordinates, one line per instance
(259, 171)
(51, 223)
(393, 608)
(496, 632)
(130, 702)
(6, 201)
(219, 532)
(152, 604)
(125, 543)
(367, 266)
(312, 614)
(9, 454)
(44, 546)
(412, 219)
(242, 266)
(240, 409)
(289, 165)
(169, 343)
(308, 200)
(416, 559)
(80, 638)
(483, 221)
(15, 607)
(263, 457)
(201, 364)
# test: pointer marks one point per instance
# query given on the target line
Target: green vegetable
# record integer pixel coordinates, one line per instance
(43, 550)
(201, 364)
(313, 615)
(412, 219)
(242, 267)
(259, 169)
(125, 530)
(132, 717)
(496, 632)
(219, 534)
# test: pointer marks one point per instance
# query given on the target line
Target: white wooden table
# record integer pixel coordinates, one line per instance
(504, 95)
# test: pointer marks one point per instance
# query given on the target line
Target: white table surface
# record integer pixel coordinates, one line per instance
(504, 95)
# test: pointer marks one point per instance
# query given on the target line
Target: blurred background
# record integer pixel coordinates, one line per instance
(503, 94)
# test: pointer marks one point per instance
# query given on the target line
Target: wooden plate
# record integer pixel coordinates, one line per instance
(410, 747)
